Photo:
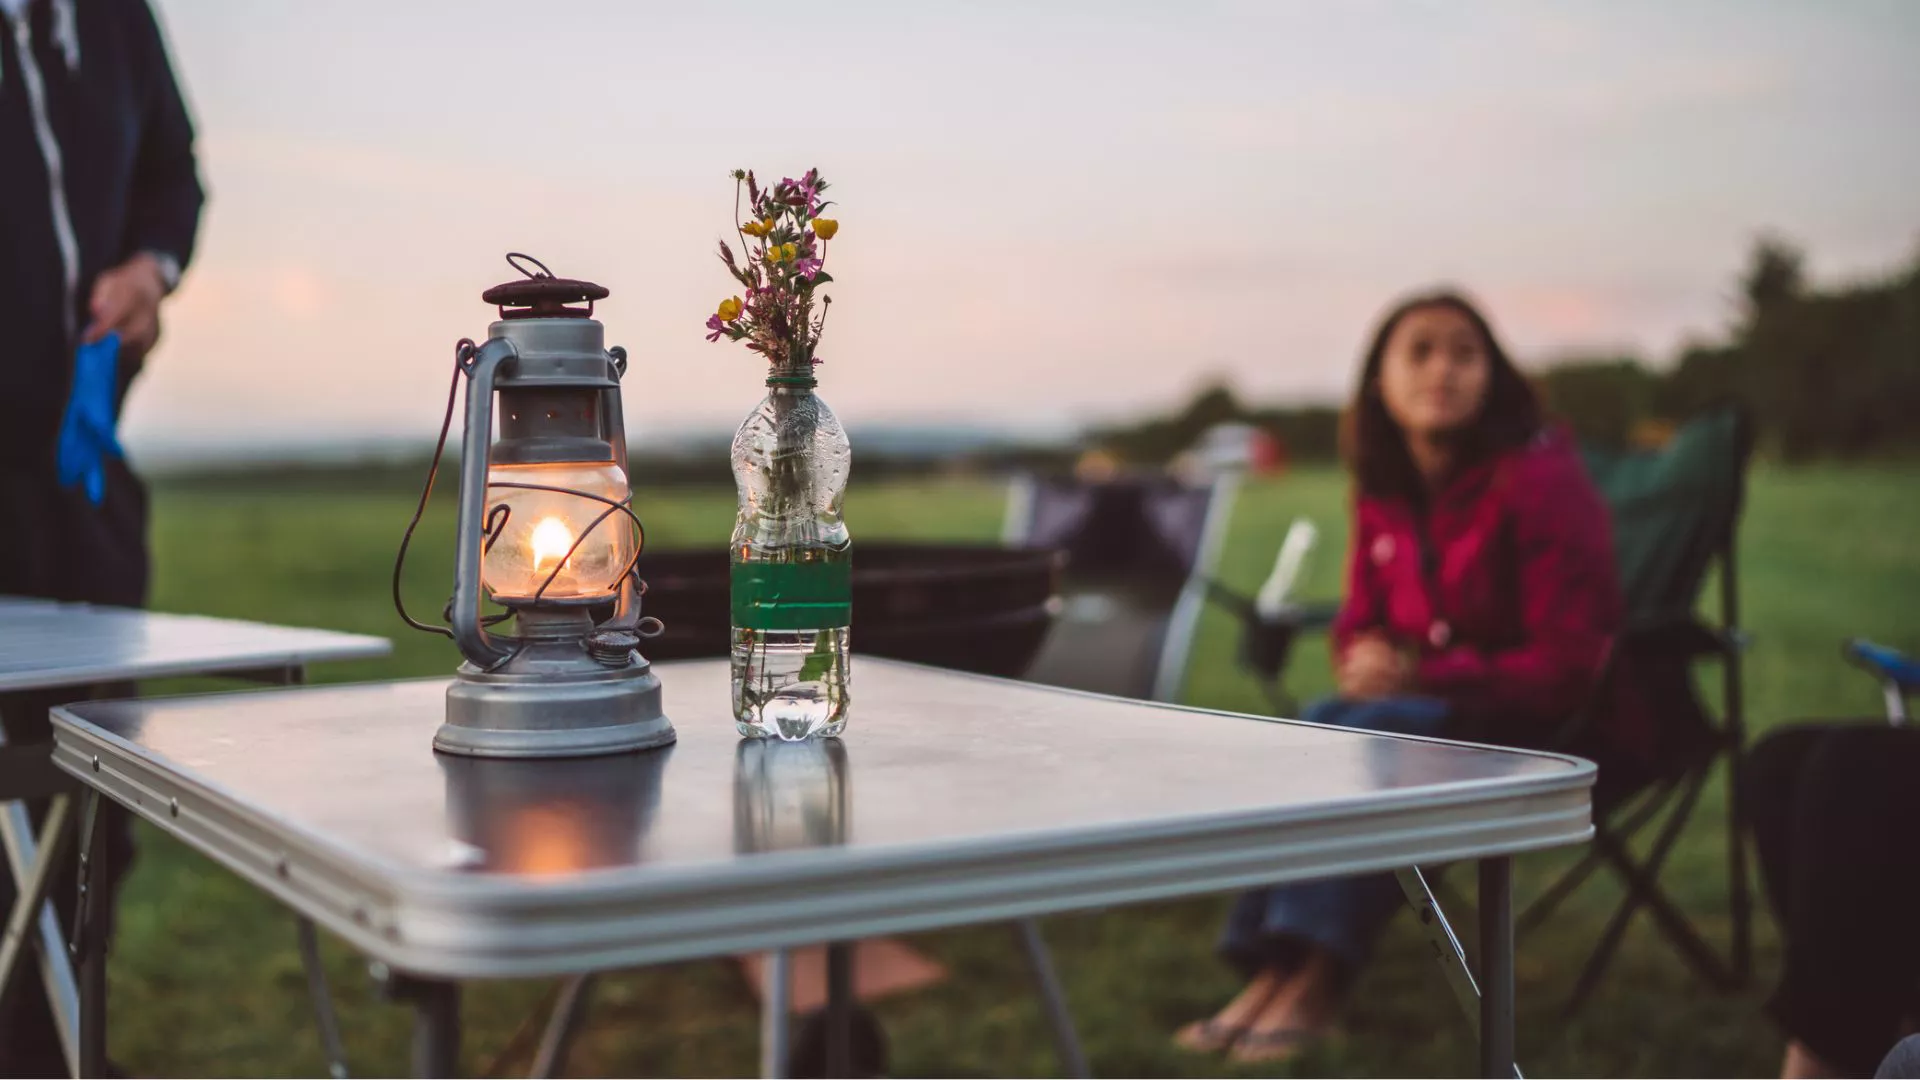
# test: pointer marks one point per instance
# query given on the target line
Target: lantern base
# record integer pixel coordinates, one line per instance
(579, 710)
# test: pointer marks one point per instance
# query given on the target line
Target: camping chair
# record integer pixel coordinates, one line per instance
(1675, 516)
(1140, 554)
(1674, 512)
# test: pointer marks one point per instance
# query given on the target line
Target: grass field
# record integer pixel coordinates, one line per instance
(206, 981)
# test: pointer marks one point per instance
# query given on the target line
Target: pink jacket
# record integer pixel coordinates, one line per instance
(1508, 589)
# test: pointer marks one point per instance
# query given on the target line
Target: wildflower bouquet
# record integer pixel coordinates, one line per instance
(782, 260)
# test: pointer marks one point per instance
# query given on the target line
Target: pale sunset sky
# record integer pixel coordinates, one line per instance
(1050, 213)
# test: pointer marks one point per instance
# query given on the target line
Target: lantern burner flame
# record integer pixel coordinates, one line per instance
(552, 542)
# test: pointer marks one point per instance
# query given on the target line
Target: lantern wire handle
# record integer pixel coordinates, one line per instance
(514, 259)
(463, 353)
(496, 524)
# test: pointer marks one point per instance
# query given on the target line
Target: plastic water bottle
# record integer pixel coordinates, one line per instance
(792, 563)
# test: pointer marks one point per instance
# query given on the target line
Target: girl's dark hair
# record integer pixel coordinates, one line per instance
(1372, 442)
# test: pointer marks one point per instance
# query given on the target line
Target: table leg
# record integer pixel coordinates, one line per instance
(775, 1021)
(436, 1027)
(33, 870)
(1496, 967)
(1066, 1041)
(839, 1008)
(550, 1059)
(330, 1042)
(89, 946)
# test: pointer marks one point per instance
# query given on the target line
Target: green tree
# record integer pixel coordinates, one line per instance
(1601, 400)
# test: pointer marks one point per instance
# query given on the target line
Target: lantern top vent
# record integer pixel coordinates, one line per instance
(540, 295)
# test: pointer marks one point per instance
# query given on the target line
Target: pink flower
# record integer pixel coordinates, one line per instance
(719, 328)
(807, 187)
(806, 268)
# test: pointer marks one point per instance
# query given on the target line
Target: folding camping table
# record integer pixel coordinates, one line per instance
(953, 799)
(50, 646)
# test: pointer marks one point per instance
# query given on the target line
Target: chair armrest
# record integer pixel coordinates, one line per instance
(1684, 634)
(1307, 616)
(1888, 665)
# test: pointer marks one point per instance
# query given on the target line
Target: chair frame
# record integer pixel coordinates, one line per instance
(1676, 793)
(1183, 622)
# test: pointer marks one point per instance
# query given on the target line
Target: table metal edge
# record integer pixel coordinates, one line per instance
(460, 925)
(92, 674)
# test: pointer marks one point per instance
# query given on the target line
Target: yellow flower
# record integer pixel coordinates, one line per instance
(782, 252)
(824, 228)
(758, 228)
(730, 309)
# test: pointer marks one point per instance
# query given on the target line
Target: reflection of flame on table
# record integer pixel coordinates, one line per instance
(543, 841)
(545, 818)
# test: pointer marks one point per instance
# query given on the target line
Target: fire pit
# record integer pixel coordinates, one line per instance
(972, 607)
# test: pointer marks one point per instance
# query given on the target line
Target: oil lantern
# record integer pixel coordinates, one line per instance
(546, 531)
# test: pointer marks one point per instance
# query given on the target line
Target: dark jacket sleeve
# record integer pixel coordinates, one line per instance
(1570, 606)
(166, 197)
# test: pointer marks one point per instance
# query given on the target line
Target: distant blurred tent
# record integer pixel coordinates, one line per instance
(1231, 447)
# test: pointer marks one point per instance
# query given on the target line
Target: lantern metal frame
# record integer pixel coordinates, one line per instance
(563, 684)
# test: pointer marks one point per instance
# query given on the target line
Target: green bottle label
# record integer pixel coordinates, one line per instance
(811, 595)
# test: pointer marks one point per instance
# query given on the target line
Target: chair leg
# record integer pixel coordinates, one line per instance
(1739, 898)
(1066, 1041)
(1548, 902)
(1644, 880)
(1643, 891)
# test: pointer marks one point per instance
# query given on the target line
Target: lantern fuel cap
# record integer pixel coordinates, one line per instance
(540, 295)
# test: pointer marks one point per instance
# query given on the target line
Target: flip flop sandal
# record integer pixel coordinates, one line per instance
(1208, 1036)
(1267, 1047)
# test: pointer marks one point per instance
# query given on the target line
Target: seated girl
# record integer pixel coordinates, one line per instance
(1481, 600)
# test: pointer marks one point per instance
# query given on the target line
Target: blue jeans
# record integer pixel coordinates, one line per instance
(1270, 927)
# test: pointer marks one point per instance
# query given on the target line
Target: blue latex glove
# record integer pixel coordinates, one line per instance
(87, 436)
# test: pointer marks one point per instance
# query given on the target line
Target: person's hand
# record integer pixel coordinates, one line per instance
(126, 300)
(1374, 667)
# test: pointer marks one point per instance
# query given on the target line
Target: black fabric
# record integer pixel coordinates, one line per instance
(1832, 811)
(57, 545)
(126, 146)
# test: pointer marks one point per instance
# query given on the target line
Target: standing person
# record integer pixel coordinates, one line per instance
(99, 205)
(1481, 600)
